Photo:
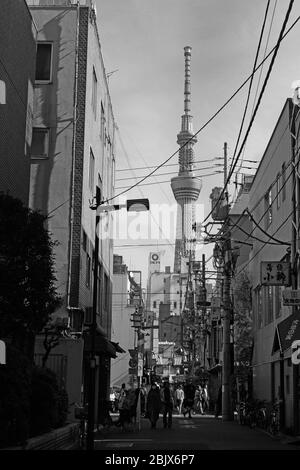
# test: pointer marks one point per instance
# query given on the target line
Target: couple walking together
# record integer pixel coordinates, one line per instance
(160, 400)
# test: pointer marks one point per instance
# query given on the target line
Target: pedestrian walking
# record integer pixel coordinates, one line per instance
(205, 396)
(167, 404)
(179, 397)
(121, 401)
(198, 400)
(125, 411)
(219, 403)
(133, 395)
(189, 394)
(153, 405)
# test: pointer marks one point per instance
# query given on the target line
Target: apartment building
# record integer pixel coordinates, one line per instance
(271, 207)
(17, 73)
(122, 328)
(72, 152)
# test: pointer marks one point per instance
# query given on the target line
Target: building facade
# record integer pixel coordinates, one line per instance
(72, 152)
(271, 205)
(122, 328)
(17, 72)
(263, 257)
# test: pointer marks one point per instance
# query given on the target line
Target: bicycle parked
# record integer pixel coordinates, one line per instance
(274, 426)
(81, 413)
(262, 416)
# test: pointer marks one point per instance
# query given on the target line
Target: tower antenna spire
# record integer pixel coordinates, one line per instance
(186, 186)
(187, 80)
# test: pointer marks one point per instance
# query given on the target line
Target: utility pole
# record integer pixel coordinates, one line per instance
(204, 308)
(294, 270)
(92, 381)
(227, 414)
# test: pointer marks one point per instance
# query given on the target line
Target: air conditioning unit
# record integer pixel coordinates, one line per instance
(76, 318)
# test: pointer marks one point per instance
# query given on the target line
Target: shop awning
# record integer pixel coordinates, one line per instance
(117, 347)
(286, 333)
(102, 345)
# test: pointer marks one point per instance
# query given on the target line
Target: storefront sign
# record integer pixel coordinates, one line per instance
(275, 273)
(291, 297)
(296, 352)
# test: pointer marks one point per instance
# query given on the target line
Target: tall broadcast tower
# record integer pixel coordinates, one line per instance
(186, 186)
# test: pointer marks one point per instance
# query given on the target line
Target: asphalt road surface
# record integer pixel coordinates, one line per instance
(197, 433)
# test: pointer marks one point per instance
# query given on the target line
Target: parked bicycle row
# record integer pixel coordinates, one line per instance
(261, 414)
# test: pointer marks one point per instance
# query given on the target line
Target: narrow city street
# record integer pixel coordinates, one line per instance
(197, 433)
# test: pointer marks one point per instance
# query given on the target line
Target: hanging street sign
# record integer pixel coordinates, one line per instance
(291, 297)
(275, 273)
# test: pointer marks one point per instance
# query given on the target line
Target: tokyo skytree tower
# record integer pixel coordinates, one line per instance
(186, 186)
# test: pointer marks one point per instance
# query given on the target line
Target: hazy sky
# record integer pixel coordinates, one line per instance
(143, 40)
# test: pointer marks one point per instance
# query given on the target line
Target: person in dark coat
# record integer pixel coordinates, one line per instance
(189, 394)
(168, 403)
(153, 405)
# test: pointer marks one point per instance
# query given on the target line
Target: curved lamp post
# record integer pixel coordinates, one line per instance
(132, 205)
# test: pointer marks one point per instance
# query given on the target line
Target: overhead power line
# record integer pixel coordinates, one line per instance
(264, 244)
(168, 181)
(256, 107)
(170, 164)
(282, 36)
(251, 80)
(176, 172)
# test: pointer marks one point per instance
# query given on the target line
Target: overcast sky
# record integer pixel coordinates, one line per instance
(142, 44)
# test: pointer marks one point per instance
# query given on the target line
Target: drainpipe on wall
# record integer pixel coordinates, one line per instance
(73, 158)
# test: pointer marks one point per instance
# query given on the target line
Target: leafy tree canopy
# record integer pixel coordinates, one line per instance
(27, 291)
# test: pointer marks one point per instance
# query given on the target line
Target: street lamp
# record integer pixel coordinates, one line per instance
(132, 205)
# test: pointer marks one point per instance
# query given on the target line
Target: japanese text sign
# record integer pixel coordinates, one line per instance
(275, 273)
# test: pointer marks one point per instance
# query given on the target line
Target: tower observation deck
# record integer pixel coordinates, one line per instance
(186, 186)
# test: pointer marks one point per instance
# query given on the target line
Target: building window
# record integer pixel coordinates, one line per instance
(278, 191)
(175, 304)
(40, 142)
(84, 240)
(154, 304)
(91, 170)
(268, 208)
(94, 93)
(102, 124)
(43, 70)
(283, 180)
(88, 271)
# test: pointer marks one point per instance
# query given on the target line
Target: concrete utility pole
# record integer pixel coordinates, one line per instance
(294, 270)
(204, 298)
(92, 381)
(227, 414)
